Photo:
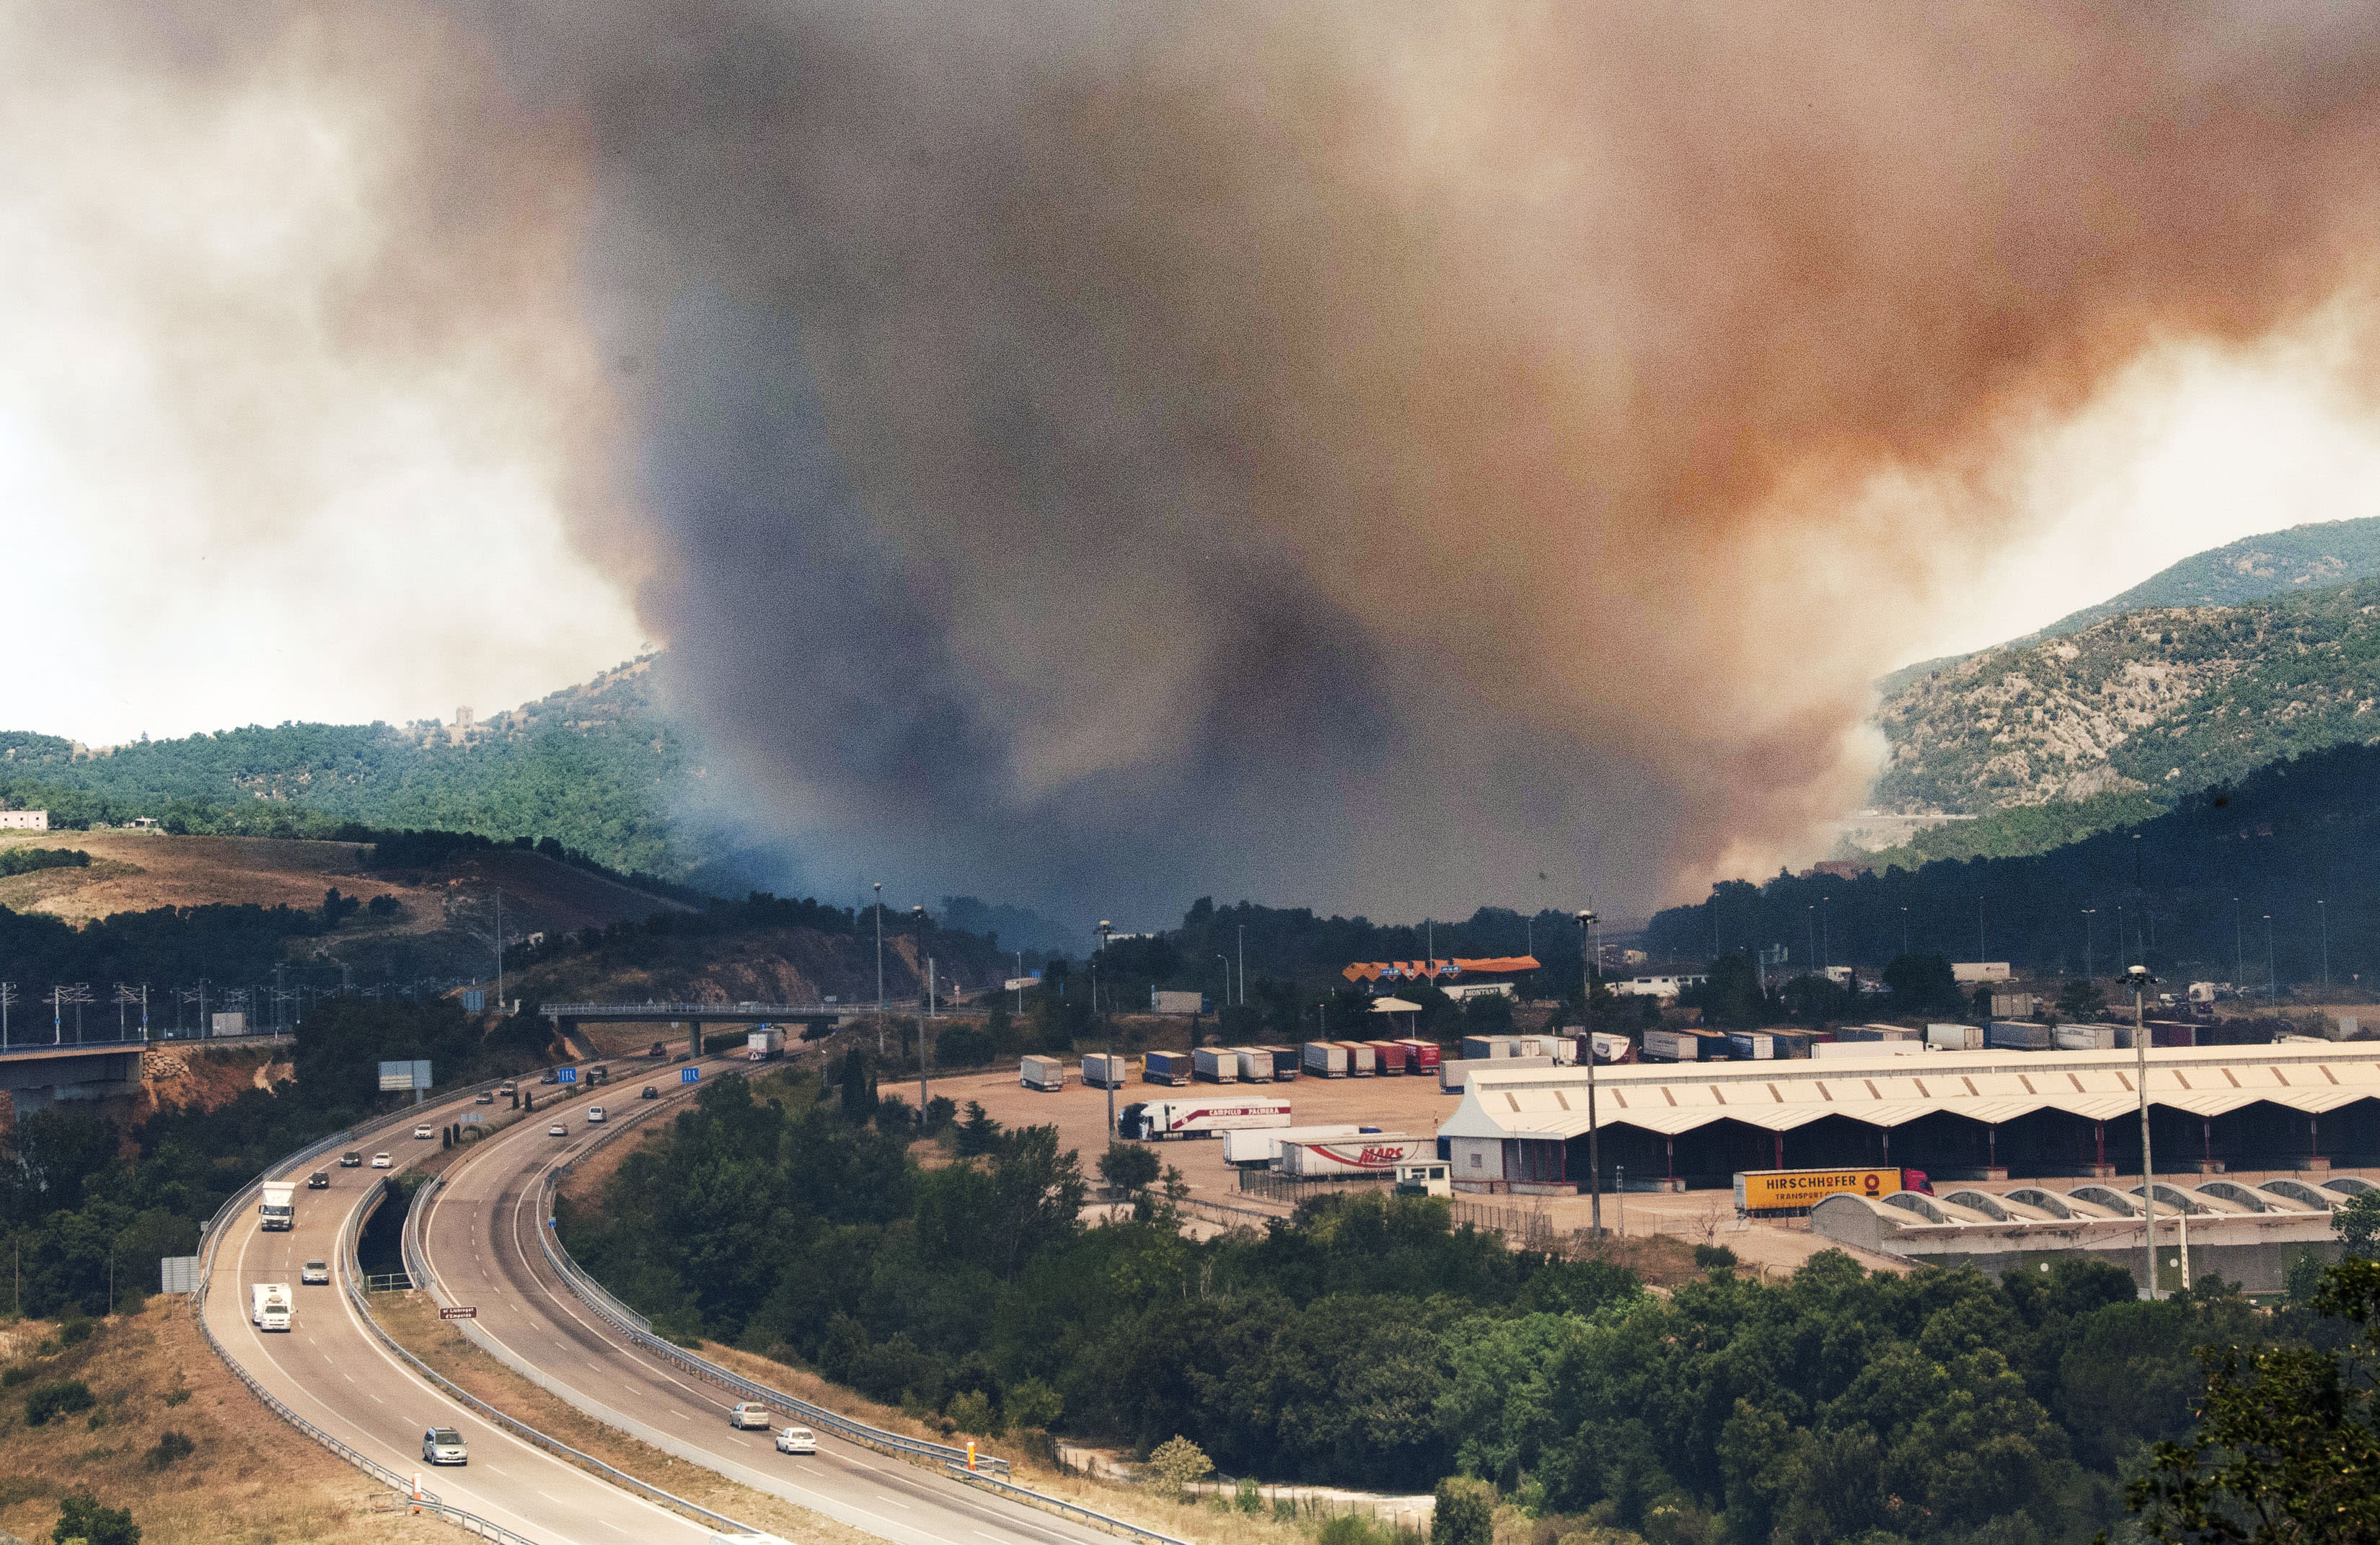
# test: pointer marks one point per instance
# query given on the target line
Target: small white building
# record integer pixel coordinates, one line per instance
(1979, 970)
(24, 820)
(1656, 987)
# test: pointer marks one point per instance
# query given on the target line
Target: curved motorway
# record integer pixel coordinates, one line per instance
(329, 1368)
(479, 1233)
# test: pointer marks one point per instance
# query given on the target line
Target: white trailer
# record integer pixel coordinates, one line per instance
(1101, 1071)
(268, 1306)
(1214, 1064)
(278, 1211)
(1046, 1073)
(1252, 1148)
(1256, 1063)
(1374, 1153)
(764, 1043)
(1151, 1119)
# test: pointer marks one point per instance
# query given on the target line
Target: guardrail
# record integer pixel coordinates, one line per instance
(640, 1330)
(1058, 1504)
(363, 1209)
(211, 1235)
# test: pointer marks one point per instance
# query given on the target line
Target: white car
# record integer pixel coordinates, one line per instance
(748, 1415)
(557, 1130)
(315, 1273)
(380, 1160)
(444, 1445)
(423, 1131)
(797, 1440)
(594, 1115)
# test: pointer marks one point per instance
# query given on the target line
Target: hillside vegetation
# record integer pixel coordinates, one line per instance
(2163, 702)
(594, 767)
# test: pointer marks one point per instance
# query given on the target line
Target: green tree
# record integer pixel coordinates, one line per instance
(1463, 1514)
(1031, 1402)
(2287, 1448)
(1177, 1462)
(1922, 984)
(857, 1088)
(977, 1132)
(2358, 1222)
(1129, 1167)
(1733, 997)
(81, 1517)
(2081, 1000)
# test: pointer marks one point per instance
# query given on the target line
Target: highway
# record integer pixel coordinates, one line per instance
(479, 1233)
(329, 1369)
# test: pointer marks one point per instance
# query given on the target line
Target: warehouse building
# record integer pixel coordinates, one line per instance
(1958, 1116)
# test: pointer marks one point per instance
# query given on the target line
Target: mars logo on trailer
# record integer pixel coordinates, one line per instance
(1381, 1156)
(1871, 1183)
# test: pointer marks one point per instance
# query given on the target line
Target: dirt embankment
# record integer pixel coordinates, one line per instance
(246, 1476)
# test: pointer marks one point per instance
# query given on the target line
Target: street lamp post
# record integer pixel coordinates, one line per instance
(879, 970)
(1105, 928)
(2272, 976)
(2087, 960)
(1243, 965)
(2322, 917)
(1587, 1018)
(2140, 979)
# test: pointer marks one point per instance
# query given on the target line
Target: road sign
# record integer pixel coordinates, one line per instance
(689, 1074)
(568, 1075)
(466, 1311)
(403, 1075)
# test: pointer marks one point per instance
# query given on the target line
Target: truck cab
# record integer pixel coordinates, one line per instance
(278, 1209)
(268, 1306)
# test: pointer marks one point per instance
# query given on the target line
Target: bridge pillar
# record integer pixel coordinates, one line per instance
(42, 1076)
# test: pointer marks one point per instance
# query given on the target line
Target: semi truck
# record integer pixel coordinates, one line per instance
(1046, 1073)
(1782, 1193)
(1259, 1147)
(1372, 1154)
(765, 1043)
(278, 1211)
(268, 1306)
(1149, 1120)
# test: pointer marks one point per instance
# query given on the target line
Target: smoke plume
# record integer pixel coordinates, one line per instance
(1365, 454)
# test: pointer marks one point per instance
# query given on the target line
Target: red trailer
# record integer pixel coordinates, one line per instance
(1387, 1056)
(1421, 1057)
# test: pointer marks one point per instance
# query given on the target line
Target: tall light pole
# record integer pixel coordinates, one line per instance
(1904, 931)
(1586, 1017)
(1227, 984)
(1105, 928)
(917, 916)
(2140, 979)
(2087, 961)
(2272, 977)
(2239, 953)
(879, 970)
(1243, 965)
(2322, 917)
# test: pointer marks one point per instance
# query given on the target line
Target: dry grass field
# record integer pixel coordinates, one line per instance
(248, 1477)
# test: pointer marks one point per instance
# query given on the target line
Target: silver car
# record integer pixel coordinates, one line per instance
(444, 1445)
(797, 1440)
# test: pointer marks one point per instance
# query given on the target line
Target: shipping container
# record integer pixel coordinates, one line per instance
(1284, 1063)
(1389, 1056)
(1259, 1147)
(1165, 1067)
(1878, 1032)
(1325, 1059)
(1361, 1063)
(1682, 1046)
(2173, 1035)
(1371, 1154)
(1955, 1037)
(2090, 1037)
(1046, 1073)
(1791, 1044)
(1485, 1048)
(1868, 1050)
(1154, 1119)
(1213, 1064)
(1453, 1075)
(1101, 1071)
(2015, 1035)
(1751, 1045)
(1256, 1063)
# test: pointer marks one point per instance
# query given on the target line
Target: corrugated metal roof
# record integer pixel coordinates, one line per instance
(1885, 1091)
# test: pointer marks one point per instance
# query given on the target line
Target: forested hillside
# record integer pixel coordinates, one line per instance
(2277, 873)
(2162, 701)
(2275, 562)
(593, 766)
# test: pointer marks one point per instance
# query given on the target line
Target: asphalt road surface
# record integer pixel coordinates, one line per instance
(481, 1234)
(329, 1369)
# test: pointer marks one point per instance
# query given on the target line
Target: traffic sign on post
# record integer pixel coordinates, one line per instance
(689, 1074)
(568, 1075)
(461, 1311)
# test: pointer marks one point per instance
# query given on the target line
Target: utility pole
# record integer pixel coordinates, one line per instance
(1243, 965)
(1105, 928)
(2272, 976)
(921, 1046)
(879, 970)
(500, 951)
(2140, 979)
(2087, 960)
(1587, 1018)
(2322, 916)
(1020, 984)
(7, 997)
(2239, 953)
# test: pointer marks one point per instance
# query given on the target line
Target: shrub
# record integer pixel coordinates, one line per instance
(74, 1333)
(177, 1394)
(11, 1378)
(1714, 1258)
(1177, 1462)
(1032, 1403)
(1248, 1495)
(970, 1411)
(1465, 1514)
(171, 1446)
(57, 1400)
(81, 1517)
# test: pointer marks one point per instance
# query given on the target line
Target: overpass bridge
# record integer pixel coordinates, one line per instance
(38, 1074)
(815, 1018)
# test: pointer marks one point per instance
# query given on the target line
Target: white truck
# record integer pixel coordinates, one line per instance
(1151, 1119)
(764, 1044)
(1259, 1147)
(278, 1211)
(1373, 1153)
(268, 1306)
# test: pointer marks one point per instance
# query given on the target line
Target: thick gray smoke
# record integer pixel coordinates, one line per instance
(1356, 453)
